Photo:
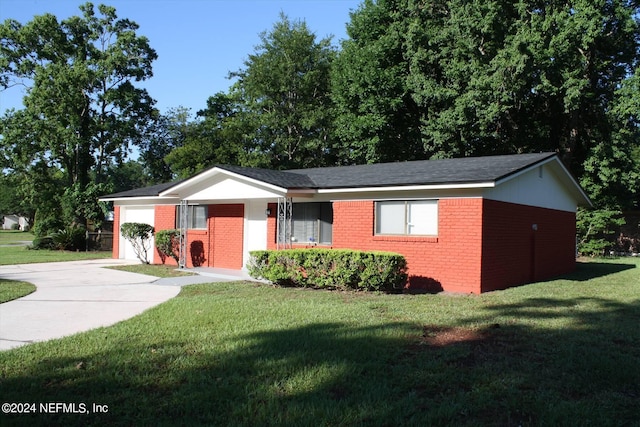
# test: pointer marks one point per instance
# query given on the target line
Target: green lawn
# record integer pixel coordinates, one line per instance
(154, 270)
(11, 237)
(11, 289)
(12, 255)
(562, 352)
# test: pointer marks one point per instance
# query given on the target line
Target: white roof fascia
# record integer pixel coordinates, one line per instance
(489, 184)
(213, 172)
(116, 199)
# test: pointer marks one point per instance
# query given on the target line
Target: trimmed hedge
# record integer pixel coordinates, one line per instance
(330, 268)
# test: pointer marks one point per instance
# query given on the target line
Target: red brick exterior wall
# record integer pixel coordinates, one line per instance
(197, 240)
(226, 225)
(272, 226)
(164, 219)
(482, 245)
(115, 253)
(514, 253)
(451, 261)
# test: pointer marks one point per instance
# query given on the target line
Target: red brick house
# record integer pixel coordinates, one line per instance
(464, 225)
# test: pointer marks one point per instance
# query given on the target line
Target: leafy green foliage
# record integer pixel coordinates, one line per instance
(44, 242)
(46, 223)
(78, 202)
(284, 88)
(168, 244)
(70, 238)
(139, 235)
(164, 134)
(595, 229)
(82, 109)
(330, 268)
(219, 136)
(457, 78)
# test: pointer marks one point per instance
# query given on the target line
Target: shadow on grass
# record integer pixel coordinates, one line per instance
(396, 373)
(592, 270)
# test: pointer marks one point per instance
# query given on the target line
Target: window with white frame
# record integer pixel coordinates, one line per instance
(312, 223)
(407, 217)
(196, 216)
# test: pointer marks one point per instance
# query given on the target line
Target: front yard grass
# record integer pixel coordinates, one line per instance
(14, 237)
(154, 270)
(560, 352)
(11, 289)
(13, 255)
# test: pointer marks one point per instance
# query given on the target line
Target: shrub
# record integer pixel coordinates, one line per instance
(330, 268)
(139, 235)
(168, 244)
(595, 229)
(70, 239)
(42, 243)
(45, 225)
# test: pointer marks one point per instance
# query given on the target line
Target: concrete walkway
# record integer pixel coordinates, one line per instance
(77, 296)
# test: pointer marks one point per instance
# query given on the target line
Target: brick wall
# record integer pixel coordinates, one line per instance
(272, 220)
(226, 225)
(514, 253)
(116, 233)
(197, 240)
(164, 219)
(451, 261)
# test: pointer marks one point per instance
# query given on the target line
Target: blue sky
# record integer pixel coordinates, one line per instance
(198, 41)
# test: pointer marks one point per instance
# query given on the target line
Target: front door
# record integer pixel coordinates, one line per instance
(226, 226)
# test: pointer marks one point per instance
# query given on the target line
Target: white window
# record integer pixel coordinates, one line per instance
(196, 217)
(407, 217)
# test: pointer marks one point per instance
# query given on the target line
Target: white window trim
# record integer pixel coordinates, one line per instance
(406, 224)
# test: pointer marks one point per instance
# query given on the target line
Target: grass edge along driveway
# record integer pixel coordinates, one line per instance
(561, 352)
(12, 289)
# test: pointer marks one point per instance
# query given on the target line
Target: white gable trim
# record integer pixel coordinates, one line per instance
(184, 186)
(564, 176)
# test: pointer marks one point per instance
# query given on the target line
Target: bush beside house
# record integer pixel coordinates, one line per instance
(330, 268)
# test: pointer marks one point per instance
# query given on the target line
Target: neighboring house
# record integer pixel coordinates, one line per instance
(464, 225)
(10, 222)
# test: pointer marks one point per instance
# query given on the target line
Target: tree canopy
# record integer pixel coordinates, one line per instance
(423, 79)
(415, 79)
(82, 108)
(284, 91)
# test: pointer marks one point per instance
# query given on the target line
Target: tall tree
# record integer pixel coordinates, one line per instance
(163, 134)
(285, 91)
(219, 135)
(459, 78)
(82, 107)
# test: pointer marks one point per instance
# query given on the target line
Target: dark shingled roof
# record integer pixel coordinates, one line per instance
(151, 191)
(423, 172)
(284, 179)
(467, 170)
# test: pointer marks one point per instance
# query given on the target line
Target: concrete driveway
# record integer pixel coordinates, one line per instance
(77, 296)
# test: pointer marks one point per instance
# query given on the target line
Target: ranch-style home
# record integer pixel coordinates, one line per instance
(467, 225)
